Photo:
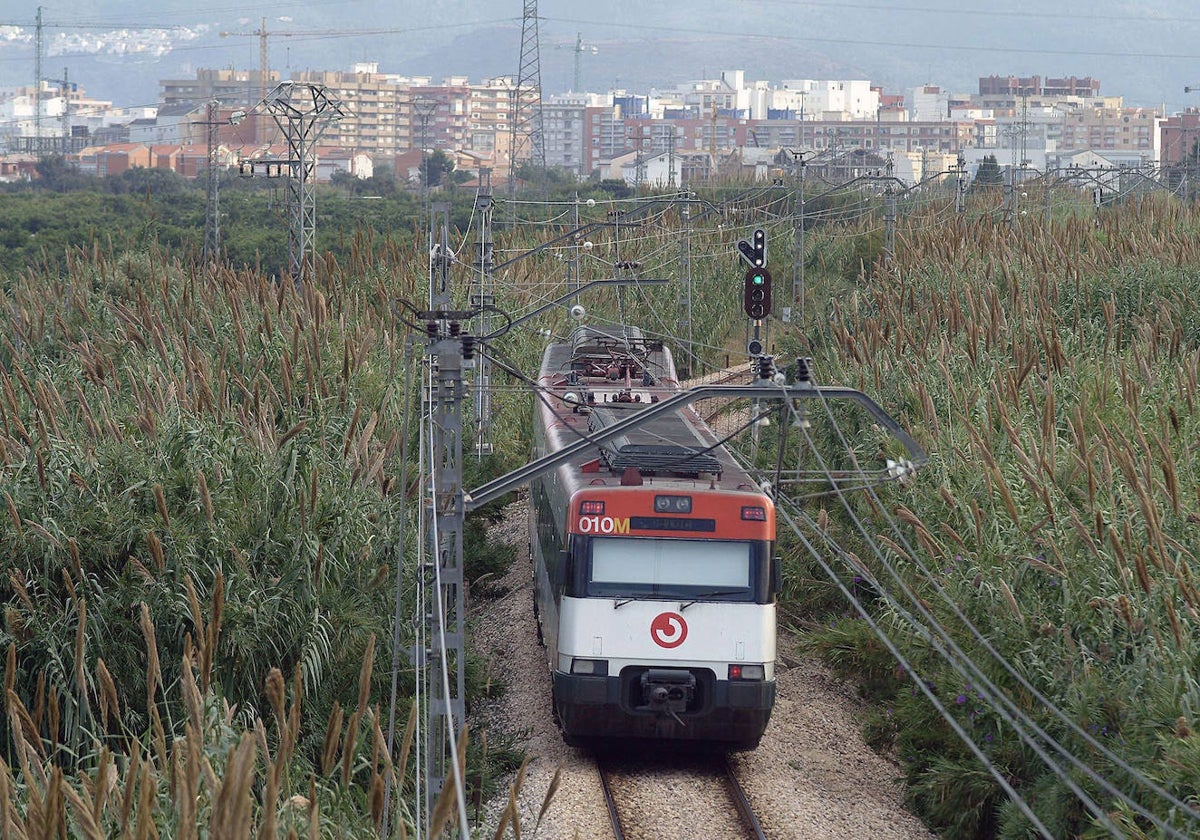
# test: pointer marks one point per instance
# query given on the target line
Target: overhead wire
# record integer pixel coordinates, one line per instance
(995, 691)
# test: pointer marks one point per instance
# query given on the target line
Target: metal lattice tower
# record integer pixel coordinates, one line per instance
(526, 138)
(212, 215)
(302, 111)
(442, 660)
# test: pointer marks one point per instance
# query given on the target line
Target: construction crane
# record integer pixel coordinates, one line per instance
(579, 49)
(264, 58)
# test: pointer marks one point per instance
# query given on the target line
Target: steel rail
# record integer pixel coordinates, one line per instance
(610, 801)
(744, 809)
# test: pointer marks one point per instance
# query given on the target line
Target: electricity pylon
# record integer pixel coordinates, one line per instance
(302, 111)
(526, 136)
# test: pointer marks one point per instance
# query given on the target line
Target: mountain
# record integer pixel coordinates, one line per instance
(1137, 48)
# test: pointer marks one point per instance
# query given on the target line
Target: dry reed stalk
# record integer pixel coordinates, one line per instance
(928, 544)
(348, 747)
(39, 701)
(159, 737)
(267, 830)
(80, 655)
(191, 696)
(314, 811)
(406, 742)
(555, 780)
(1012, 602)
(364, 675)
(12, 513)
(1005, 494)
(212, 632)
(233, 806)
(205, 498)
(375, 800)
(444, 813)
(147, 792)
(109, 704)
(153, 669)
(333, 734)
(277, 696)
(103, 783)
(156, 550)
(1143, 573)
(131, 776)
(291, 433)
(186, 789)
(1176, 627)
(53, 727)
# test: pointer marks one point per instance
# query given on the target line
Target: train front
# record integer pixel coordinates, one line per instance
(667, 618)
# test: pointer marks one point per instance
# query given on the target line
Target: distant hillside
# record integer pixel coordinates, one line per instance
(1144, 49)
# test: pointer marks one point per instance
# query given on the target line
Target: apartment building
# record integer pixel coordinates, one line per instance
(1011, 95)
(377, 108)
(562, 131)
(237, 88)
(1134, 131)
(1178, 136)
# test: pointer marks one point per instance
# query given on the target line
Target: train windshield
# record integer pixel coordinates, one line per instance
(671, 568)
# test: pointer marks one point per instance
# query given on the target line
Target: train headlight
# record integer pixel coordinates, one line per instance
(592, 667)
(747, 672)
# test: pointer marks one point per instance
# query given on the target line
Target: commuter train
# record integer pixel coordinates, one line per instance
(654, 572)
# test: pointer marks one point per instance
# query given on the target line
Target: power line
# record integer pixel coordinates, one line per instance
(956, 47)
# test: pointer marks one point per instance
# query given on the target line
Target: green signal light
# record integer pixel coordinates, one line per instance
(758, 279)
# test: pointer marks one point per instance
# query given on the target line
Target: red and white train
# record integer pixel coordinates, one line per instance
(655, 573)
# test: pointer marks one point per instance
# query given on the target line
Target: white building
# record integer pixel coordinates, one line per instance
(828, 100)
(928, 103)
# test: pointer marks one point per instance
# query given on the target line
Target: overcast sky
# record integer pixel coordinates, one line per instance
(1147, 51)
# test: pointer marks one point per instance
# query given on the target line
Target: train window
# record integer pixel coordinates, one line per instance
(670, 567)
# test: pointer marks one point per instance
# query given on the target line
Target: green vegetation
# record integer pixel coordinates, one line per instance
(200, 480)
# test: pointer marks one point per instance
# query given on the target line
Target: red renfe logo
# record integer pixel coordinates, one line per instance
(668, 630)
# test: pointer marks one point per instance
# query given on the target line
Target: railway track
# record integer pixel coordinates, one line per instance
(649, 798)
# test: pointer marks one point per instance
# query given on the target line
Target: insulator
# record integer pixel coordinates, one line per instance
(803, 369)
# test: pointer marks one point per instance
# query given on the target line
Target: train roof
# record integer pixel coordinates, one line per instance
(601, 376)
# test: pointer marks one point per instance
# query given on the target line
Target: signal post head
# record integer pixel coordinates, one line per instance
(756, 294)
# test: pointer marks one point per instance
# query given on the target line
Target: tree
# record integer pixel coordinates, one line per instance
(435, 167)
(988, 174)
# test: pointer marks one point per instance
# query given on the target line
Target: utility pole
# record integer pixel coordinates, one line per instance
(37, 86)
(797, 295)
(671, 157)
(685, 279)
(960, 190)
(441, 660)
(424, 109)
(66, 113)
(639, 167)
(212, 212)
(482, 301)
(302, 112)
(889, 225)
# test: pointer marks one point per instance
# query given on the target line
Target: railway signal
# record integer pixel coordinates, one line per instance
(754, 251)
(756, 294)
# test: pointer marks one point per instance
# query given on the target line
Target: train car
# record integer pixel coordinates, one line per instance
(654, 572)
